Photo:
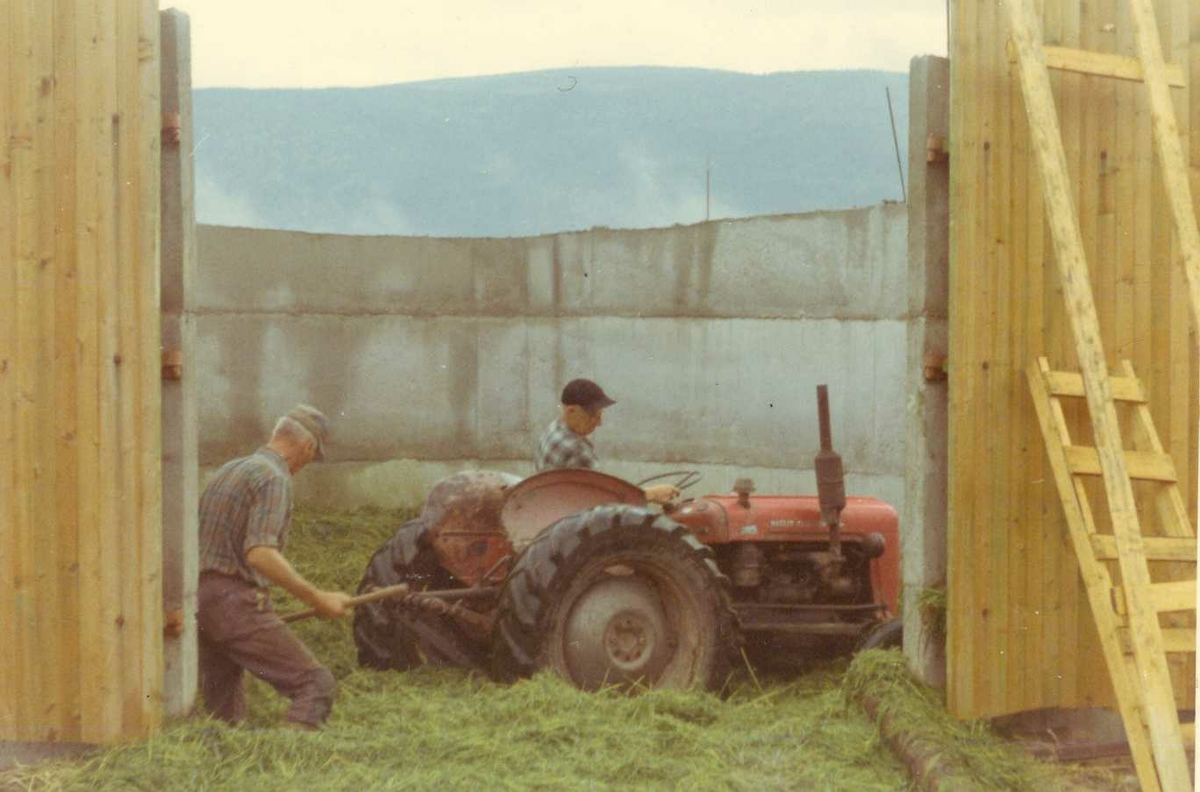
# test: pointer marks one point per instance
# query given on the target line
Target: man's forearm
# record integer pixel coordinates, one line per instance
(275, 568)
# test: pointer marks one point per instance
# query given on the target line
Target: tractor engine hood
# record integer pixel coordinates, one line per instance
(462, 513)
(717, 519)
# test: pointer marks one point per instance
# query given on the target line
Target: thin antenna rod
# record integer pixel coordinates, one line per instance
(896, 143)
(707, 190)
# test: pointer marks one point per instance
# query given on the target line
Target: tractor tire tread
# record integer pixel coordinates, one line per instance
(543, 571)
(382, 640)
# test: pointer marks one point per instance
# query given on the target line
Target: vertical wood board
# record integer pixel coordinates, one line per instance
(1031, 642)
(80, 562)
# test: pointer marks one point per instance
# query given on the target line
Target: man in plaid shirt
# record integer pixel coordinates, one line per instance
(244, 517)
(565, 442)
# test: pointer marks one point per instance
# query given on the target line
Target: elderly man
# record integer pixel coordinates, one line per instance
(244, 516)
(565, 442)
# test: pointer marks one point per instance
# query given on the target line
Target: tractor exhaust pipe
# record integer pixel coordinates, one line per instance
(831, 480)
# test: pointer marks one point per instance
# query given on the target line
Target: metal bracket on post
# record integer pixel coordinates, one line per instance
(934, 369)
(935, 149)
(172, 364)
(172, 129)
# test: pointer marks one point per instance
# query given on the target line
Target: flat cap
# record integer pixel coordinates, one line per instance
(314, 422)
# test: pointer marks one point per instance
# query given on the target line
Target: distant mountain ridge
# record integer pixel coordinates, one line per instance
(547, 151)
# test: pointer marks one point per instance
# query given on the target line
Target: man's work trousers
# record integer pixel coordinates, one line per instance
(239, 631)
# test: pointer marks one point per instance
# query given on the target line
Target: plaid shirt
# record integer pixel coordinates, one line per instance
(559, 447)
(247, 504)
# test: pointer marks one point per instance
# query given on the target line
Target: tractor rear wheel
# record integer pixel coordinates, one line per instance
(616, 595)
(390, 636)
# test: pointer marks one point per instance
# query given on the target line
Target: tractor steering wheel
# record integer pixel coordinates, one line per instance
(684, 478)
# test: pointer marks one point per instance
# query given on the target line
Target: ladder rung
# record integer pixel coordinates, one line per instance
(1142, 465)
(1175, 639)
(1157, 548)
(1070, 383)
(1102, 64)
(1171, 597)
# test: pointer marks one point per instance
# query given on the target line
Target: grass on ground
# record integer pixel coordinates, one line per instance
(447, 729)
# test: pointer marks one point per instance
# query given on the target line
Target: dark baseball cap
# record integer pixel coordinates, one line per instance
(586, 394)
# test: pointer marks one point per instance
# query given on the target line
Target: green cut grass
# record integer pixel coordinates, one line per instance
(449, 729)
(970, 754)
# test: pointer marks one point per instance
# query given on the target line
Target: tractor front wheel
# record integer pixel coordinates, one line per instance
(617, 595)
(888, 635)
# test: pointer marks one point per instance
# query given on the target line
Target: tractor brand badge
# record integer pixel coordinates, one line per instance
(749, 530)
(794, 524)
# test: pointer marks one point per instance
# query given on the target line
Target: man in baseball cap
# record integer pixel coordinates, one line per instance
(565, 442)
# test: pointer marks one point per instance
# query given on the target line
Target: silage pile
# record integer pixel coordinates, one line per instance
(446, 729)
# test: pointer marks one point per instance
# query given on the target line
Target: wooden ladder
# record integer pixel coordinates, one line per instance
(1127, 616)
(1097, 553)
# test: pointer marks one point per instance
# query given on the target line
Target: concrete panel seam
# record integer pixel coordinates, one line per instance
(368, 314)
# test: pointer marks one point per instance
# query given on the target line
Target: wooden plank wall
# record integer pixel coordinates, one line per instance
(80, 555)
(1020, 635)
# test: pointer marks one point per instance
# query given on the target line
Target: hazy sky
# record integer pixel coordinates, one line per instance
(313, 43)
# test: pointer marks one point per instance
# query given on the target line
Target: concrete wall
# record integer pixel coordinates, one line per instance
(177, 275)
(435, 355)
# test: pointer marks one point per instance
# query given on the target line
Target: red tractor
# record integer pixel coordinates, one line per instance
(570, 570)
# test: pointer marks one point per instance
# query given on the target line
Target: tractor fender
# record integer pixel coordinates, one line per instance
(547, 497)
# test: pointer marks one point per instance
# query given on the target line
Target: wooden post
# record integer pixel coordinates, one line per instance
(80, 597)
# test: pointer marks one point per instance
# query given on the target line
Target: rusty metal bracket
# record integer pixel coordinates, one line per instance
(935, 149)
(935, 367)
(172, 364)
(172, 129)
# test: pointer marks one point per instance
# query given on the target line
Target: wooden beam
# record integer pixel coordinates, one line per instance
(10, 683)
(24, 145)
(1142, 465)
(962, 639)
(1046, 139)
(1070, 383)
(1103, 64)
(1180, 640)
(46, 643)
(66, 368)
(88, 120)
(1173, 165)
(147, 107)
(1158, 548)
(108, 525)
(1172, 597)
(1096, 580)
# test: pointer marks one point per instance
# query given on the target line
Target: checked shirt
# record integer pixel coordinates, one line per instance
(247, 504)
(559, 447)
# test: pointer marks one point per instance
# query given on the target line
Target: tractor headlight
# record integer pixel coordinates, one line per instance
(873, 545)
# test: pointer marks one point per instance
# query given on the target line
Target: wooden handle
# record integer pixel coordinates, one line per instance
(383, 593)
